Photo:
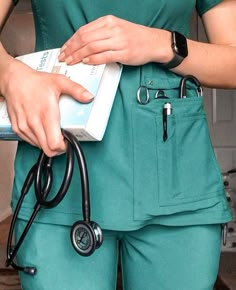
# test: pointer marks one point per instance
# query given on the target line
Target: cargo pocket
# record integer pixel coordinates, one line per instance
(197, 176)
(147, 131)
(180, 173)
(167, 163)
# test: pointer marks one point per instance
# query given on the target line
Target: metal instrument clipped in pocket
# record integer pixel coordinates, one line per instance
(143, 98)
(183, 86)
(143, 95)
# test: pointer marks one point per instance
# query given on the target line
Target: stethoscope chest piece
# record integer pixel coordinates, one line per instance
(86, 237)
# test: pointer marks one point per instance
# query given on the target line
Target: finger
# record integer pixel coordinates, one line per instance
(36, 127)
(54, 141)
(35, 130)
(103, 57)
(109, 45)
(81, 41)
(74, 90)
(87, 29)
(20, 127)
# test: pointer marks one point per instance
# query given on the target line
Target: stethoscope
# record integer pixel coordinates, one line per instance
(86, 235)
(143, 92)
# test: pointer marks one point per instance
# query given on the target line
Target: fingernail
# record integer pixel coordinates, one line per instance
(60, 153)
(85, 60)
(63, 47)
(69, 59)
(88, 96)
(62, 56)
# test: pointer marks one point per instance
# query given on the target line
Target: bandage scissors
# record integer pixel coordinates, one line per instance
(143, 95)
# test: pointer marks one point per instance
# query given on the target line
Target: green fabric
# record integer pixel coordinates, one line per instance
(204, 6)
(153, 257)
(15, 1)
(135, 178)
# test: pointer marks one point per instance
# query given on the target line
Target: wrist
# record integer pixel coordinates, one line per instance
(5, 60)
(179, 49)
(163, 53)
(7, 67)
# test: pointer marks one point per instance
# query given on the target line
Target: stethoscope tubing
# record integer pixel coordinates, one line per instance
(11, 253)
(42, 171)
(71, 144)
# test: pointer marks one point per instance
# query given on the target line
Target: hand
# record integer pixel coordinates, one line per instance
(111, 39)
(32, 101)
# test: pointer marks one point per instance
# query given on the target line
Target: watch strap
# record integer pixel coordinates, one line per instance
(176, 60)
(178, 57)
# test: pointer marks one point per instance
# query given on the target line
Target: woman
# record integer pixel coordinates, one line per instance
(160, 196)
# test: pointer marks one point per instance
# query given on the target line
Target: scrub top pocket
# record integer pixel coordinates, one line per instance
(181, 173)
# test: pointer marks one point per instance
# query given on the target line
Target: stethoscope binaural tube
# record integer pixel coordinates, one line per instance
(86, 235)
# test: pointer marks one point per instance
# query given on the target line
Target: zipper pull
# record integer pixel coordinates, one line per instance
(167, 110)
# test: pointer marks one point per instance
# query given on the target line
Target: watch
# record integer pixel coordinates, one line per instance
(180, 50)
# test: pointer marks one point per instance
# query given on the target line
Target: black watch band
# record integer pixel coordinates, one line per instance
(180, 50)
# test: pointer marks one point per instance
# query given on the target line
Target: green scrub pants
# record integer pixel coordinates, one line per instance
(152, 258)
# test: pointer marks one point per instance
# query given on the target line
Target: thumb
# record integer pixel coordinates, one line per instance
(74, 90)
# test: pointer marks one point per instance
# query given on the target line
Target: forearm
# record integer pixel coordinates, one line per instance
(6, 7)
(214, 65)
(5, 64)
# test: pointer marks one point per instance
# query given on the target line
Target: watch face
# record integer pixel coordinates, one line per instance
(180, 44)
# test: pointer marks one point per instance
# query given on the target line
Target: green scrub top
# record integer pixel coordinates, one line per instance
(135, 177)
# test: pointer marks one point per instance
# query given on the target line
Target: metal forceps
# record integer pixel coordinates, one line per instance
(183, 86)
(143, 95)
